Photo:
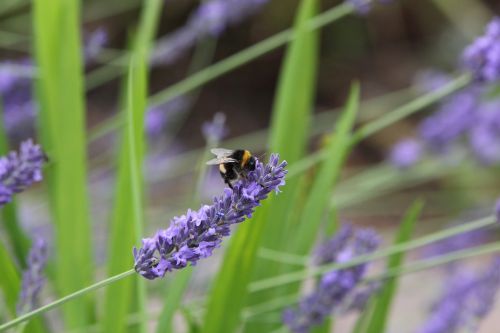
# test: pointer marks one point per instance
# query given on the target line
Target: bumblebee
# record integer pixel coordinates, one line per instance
(233, 164)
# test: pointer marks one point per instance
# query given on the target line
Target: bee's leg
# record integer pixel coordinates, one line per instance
(228, 182)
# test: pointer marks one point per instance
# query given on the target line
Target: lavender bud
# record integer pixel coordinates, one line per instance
(19, 171)
(33, 278)
(215, 130)
(195, 235)
(482, 57)
(406, 153)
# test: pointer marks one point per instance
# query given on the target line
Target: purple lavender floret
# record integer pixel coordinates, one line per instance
(211, 18)
(19, 171)
(33, 277)
(467, 299)
(484, 135)
(328, 251)
(94, 44)
(482, 57)
(335, 287)
(158, 117)
(195, 235)
(452, 120)
(215, 130)
(406, 153)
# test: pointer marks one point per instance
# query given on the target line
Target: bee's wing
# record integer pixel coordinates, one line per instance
(221, 160)
(222, 152)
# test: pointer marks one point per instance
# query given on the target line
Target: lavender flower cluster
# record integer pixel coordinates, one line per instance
(464, 116)
(18, 171)
(215, 130)
(467, 299)
(195, 235)
(33, 277)
(210, 19)
(482, 57)
(339, 286)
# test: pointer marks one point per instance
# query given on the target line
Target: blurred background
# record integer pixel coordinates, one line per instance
(389, 50)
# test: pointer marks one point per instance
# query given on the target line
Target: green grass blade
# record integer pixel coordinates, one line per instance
(291, 116)
(9, 280)
(128, 210)
(62, 119)
(324, 181)
(173, 298)
(383, 302)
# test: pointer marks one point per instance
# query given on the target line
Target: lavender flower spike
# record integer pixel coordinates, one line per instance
(468, 298)
(406, 153)
(195, 235)
(215, 130)
(18, 171)
(33, 279)
(336, 287)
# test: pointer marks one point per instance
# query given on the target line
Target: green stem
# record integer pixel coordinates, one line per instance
(65, 299)
(300, 275)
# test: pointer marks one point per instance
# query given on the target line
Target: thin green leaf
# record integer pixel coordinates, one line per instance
(9, 280)
(325, 180)
(62, 127)
(383, 302)
(172, 299)
(290, 126)
(128, 210)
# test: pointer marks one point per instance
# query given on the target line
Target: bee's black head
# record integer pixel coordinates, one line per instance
(251, 163)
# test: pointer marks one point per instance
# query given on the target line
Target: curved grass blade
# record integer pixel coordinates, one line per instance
(62, 128)
(128, 211)
(382, 304)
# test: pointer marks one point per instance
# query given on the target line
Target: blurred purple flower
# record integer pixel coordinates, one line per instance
(336, 286)
(211, 18)
(215, 130)
(157, 117)
(18, 171)
(328, 251)
(454, 117)
(94, 44)
(195, 235)
(406, 153)
(482, 57)
(33, 277)
(467, 299)
(497, 209)
(484, 134)
(363, 7)
(361, 297)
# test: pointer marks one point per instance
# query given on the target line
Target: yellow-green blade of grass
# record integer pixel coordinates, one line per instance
(324, 181)
(9, 280)
(128, 211)
(290, 126)
(382, 304)
(17, 238)
(62, 128)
